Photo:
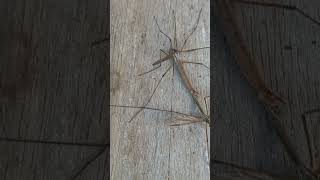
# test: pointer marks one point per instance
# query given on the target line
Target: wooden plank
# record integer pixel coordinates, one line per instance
(62, 95)
(147, 147)
(284, 44)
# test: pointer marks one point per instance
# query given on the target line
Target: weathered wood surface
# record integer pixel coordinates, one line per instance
(147, 147)
(286, 47)
(53, 88)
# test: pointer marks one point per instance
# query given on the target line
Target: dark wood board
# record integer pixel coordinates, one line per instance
(286, 47)
(54, 87)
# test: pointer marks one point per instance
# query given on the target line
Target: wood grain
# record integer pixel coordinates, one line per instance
(148, 148)
(53, 88)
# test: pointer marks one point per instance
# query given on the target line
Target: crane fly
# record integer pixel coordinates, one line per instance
(171, 55)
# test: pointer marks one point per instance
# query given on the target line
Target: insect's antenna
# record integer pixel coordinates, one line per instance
(162, 31)
(282, 6)
(151, 95)
(193, 30)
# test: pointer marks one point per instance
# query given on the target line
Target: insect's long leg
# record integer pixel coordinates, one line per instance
(193, 30)
(196, 63)
(195, 49)
(207, 139)
(155, 68)
(186, 123)
(205, 102)
(188, 116)
(149, 71)
(149, 99)
(151, 108)
(162, 31)
(282, 6)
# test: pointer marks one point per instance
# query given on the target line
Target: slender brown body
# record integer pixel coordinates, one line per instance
(185, 78)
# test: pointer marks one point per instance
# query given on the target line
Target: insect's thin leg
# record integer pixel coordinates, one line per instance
(149, 71)
(205, 102)
(195, 49)
(151, 94)
(186, 123)
(153, 109)
(155, 68)
(78, 173)
(282, 6)
(162, 31)
(207, 141)
(193, 30)
(196, 63)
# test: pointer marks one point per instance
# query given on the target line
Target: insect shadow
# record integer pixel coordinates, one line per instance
(272, 102)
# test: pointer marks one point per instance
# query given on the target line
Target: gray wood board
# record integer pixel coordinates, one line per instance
(286, 46)
(147, 147)
(53, 88)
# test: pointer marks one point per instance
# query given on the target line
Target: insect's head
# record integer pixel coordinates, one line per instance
(175, 50)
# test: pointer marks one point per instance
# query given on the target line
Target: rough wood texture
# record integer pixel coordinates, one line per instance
(148, 148)
(286, 46)
(53, 88)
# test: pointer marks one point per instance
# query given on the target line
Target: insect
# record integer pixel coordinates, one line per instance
(172, 54)
(273, 102)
